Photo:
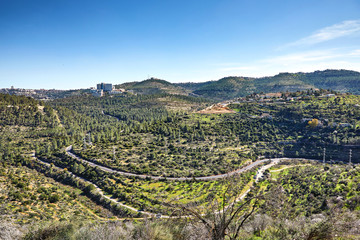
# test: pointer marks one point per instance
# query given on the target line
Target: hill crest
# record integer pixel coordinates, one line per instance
(234, 86)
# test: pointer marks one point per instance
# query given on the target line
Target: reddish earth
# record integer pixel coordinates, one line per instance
(217, 109)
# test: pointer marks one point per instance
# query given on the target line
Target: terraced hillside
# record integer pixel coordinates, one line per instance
(167, 146)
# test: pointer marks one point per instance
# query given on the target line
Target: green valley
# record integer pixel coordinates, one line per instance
(158, 156)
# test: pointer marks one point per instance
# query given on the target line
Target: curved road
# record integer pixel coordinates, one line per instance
(258, 176)
(97, 188)
(205, 178)
(242, 196)
(213, 177)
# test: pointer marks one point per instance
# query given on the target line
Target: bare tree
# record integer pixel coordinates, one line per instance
(223, 216)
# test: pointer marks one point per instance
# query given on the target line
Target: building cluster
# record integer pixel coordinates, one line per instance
(41, 94)
(48, 94)
(105, 88)
(283, 97)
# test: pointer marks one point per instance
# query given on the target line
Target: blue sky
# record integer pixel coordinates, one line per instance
(75, 44)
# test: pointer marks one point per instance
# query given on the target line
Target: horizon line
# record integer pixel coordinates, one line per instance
(48, 89)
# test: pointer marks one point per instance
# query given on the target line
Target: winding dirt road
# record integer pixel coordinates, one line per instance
(258, 176)
(205, 178)
(240, 197)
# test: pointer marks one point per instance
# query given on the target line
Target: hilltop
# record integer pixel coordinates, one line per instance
(342, 81)
(153, 86)
(230, 87)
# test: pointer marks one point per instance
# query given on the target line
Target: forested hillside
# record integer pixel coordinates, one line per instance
(153, 86)
(157, 155)
(31, 191)
(232, 87)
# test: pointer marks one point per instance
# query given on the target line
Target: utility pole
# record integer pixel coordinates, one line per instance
(324, 155)
(114, 156)
(89, 138)
(84, 140)
(350, 153)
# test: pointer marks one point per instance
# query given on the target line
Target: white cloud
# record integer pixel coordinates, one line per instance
(309, 56)
(273, 69)
(313, 57)
(342, 29)
(298, 62)
(355, 53)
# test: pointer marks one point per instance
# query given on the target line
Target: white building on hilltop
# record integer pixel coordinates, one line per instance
(106, 87)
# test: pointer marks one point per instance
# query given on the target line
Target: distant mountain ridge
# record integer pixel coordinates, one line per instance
(231, 87)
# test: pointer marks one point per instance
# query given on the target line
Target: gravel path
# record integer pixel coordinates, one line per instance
(212, 177)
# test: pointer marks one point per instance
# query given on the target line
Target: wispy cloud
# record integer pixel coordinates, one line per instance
(228, 69)
(298, 62)
(309, 56)
(342, 29)
(355, 53)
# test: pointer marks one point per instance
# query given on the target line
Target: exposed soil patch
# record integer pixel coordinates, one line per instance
(216, 109)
